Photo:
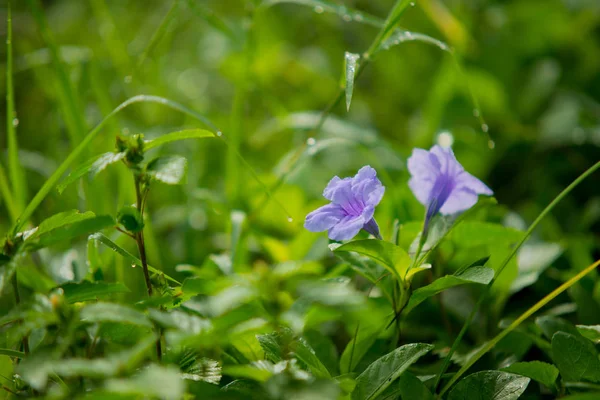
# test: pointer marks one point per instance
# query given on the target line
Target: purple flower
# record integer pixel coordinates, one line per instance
(441, 184)
(353, 202)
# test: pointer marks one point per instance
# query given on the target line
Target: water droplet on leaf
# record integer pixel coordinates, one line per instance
(491, 144)
(319, 9)
(485, 128)
(311, 141)
(476, 113)
(128, 79)
(290, 219)
(15, 122)
(347, 17)
(219, 133)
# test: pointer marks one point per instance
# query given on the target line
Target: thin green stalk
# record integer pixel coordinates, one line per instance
(159, 33)
(490, 345)
(15, 170)
(25, 340)
(7, 196)
(528, 233)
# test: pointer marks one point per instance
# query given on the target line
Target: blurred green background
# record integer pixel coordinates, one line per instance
(264, 73)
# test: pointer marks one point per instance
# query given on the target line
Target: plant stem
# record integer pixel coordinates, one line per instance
(15, 284)
(139, 239)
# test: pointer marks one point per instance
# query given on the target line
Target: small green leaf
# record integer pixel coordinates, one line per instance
(412, 272)
(550, 325)
(480, 275)
(152, 382)
(168, 169)
(179, 135)
(110, 312)
(392, 257)
(351, 63)
(381, 373)
(84, 291)
(359, 346)
(576, 357)
(307, 355)
(541, 372)
(591, 332)
(92, 166)
(6, 272)
(490, 385)
(408, 387)
(131, 218)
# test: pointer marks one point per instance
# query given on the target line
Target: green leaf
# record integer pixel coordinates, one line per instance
(6, 272)
(12, 353)
(359, 346)
(401, 36)
(550, 325)
(351, 63)
(84, 291)
(477, 233)
(168, 169)
(176, 136)
(541, 372)
(381, 373)
(490, 385)
(408, 387)
(127, 255)
(591, 332)
(152, 382)
(110, 312)
(576, 357)
(392, 257)
(305, 353)
(65, 226)
(480, 275)
(92, 166)
(131, 219)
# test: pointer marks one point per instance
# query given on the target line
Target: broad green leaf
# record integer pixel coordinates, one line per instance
(480, 275)
(6, 272)
(307, 355)
(412, 272)
(35, 278)
(359, 346)
(381, 373)
(533, 259)
(588, 310)
(152, 382)
(392, 257)
(591, 332)
(259, 371)
(324, 349)
(477, 233)
(65, 226)
(541, 372)
(168, 169)
(188, 323)
(408, 387)
(576, 357)
(490, 385)
(92, 166)
(550, 325)
(110, 312)
(127, 255)
(179, 135)
(86, 290)
(351, 63)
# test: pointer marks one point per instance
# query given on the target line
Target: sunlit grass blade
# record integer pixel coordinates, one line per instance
(159, 33)
(7, 197)
(179, 135)
(490, 345)
(71, 110)
(17, 175)
(351, 61)
(528, 233)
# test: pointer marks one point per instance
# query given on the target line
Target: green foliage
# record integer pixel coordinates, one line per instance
(210, 287)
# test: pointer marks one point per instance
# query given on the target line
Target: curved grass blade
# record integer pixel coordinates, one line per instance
(12, 353)
(490, 345)
(175, 136)
(401, 36)
(127, 255)
(15, 169)
(55, 177)
(351, 61)
(320, 6)
(528, 233)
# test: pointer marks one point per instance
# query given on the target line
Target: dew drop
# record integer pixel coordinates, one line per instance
(219, 133)
(412, 3)
(347, 17)
(125, 131)
(311, 141)
(7, 41)
(128, 79)
(445, 139)
(491, 144)
(358, 17)
(290, 219)
(319, 9)
(485, 128)
(476, 113)
(132, 265)
(15, 122)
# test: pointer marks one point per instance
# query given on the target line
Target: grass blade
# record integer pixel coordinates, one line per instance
(159, 33)
(15, 170)
(351, 61)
